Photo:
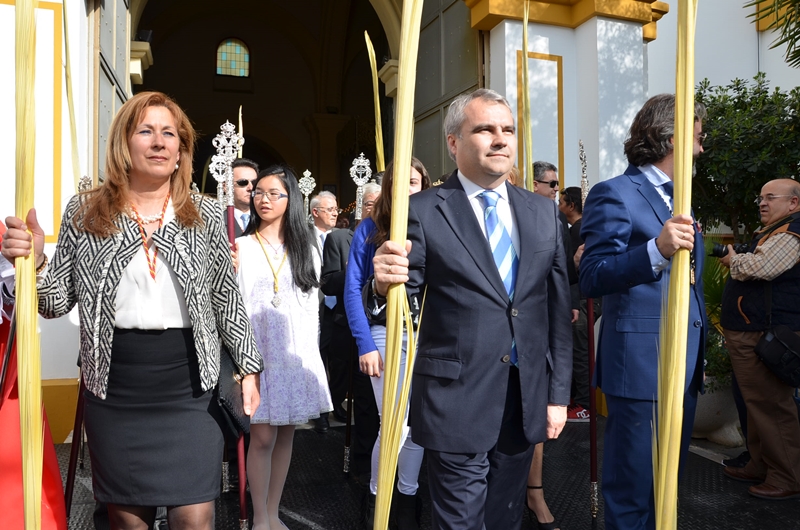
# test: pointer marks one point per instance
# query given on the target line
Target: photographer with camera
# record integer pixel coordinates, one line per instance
(764, 291)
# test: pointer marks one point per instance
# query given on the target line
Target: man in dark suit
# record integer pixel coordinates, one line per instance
(245, 172)
(630, 234)
(343, 357)
(494, 361)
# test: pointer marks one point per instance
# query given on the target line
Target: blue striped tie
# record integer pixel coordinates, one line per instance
(505, 257)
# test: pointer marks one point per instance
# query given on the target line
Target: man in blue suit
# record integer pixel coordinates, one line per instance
(494, 366)
(630, 234)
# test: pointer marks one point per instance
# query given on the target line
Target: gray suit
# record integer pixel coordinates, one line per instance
(475, 413)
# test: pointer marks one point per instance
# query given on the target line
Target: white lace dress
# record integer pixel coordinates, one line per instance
(294, 387)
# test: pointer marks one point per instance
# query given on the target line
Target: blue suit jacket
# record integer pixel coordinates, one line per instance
(462, 367)
(620, 216)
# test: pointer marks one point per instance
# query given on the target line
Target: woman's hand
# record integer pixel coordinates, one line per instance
(371, 364)
(17, 242)
(235, 256)
(251, 395)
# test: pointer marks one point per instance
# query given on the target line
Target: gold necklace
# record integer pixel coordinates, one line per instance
(276, 301)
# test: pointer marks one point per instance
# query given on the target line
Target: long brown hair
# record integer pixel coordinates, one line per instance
(382, 211)
(103, 204)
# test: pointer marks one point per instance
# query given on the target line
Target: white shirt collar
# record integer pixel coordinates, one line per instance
(656, 177)
(473, 190)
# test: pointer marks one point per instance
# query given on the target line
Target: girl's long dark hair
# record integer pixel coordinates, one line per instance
(382, 211)
(297, 236)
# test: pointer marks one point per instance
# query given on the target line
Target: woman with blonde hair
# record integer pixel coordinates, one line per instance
(148, 265)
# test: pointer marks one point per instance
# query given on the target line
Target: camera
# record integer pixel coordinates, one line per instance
(720, 251)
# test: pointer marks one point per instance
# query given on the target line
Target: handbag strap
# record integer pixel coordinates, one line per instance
(768, 300)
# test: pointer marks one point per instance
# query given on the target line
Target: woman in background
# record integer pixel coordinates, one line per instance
(371, 342)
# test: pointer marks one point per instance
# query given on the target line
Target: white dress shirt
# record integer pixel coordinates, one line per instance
(657, 178)
(144, 303)
(473, 192)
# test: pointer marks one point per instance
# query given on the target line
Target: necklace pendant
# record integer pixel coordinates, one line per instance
(276, 301)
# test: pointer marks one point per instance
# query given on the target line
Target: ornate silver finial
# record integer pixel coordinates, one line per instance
(584, 175)
(227, 143)
(307, 185)
(360, 172)
(195, 189)
(85, 183)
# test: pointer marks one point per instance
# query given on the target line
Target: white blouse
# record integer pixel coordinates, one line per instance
(143, 303)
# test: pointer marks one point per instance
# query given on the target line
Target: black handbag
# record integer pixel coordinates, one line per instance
(229, 394)
(779, 348)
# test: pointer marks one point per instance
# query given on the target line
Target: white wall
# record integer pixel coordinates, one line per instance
(59, 338)
(505, 42)
(603, 76)
(727, 46)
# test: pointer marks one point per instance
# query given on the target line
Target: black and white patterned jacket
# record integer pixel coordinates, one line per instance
(86, 270)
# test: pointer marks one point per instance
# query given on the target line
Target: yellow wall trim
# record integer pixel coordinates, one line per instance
(486, 14)
(60, 398)
(522, 120)
(765, 23)
(58, 44)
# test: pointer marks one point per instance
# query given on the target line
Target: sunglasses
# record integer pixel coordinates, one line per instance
(243, 183)
(551, 183)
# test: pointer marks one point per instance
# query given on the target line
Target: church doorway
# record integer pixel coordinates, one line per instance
(299, 70)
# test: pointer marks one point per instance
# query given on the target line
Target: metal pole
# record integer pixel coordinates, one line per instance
(594, 499)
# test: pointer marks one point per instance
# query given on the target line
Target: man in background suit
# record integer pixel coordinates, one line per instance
(630, 234)
(245, 172)
(494, 361)
(324, 212)
(342, 357)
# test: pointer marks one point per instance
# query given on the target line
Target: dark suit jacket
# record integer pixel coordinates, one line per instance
(337, 249)
(462, 370)
(237, 231)
(620, 216)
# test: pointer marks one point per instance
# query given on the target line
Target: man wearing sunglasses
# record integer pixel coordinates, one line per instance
(245, 172)
(545, 179)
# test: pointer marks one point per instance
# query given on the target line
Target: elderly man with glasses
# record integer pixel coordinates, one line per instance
(764, 291)
(324, 212)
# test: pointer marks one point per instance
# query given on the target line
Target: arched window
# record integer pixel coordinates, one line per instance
(233, 58)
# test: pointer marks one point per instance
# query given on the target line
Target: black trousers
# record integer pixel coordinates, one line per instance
(484, 491)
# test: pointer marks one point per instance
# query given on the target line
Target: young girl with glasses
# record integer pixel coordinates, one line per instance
(278, 273)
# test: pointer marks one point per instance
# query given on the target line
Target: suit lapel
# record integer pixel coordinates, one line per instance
(650, 194)
(130, 241)
(175, 251)
(525, 219)
(458, 213)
